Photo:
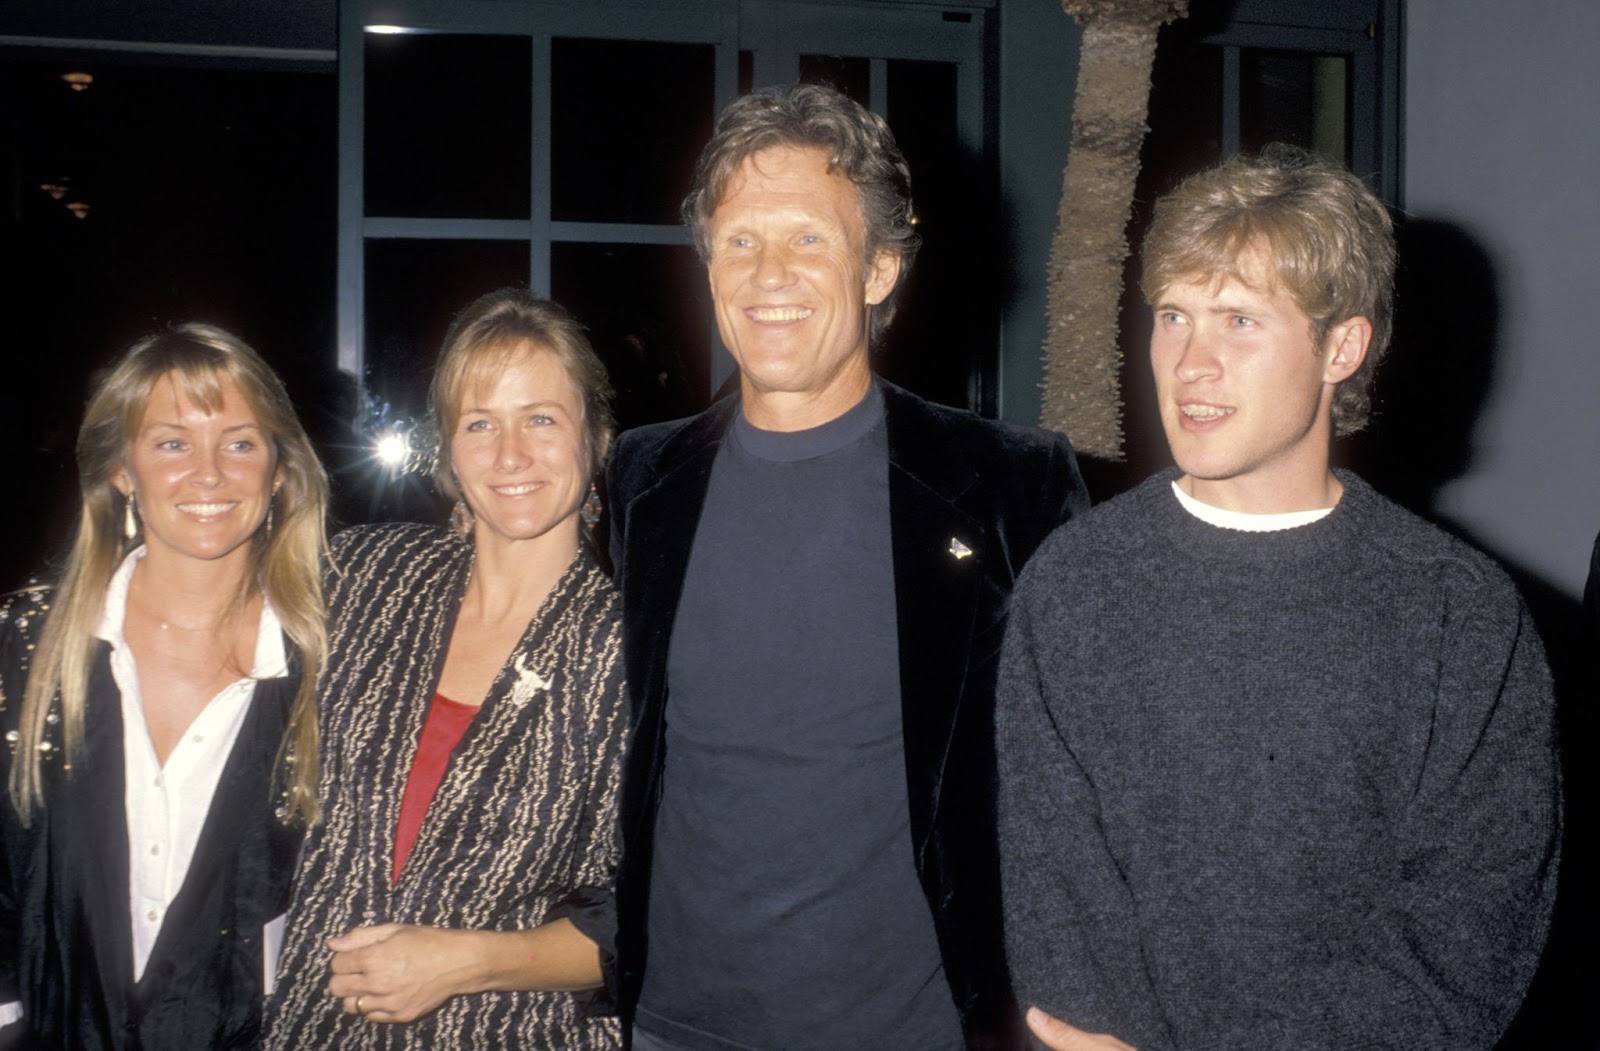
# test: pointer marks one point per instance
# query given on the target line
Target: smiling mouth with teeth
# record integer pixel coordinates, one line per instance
(206, 510)
(779, 313)
(1204, 413)
(516, 490)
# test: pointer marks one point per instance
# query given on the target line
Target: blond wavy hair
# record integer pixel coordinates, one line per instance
(286, 560)
(1326, 238)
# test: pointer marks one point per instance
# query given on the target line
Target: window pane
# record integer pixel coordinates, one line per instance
(447, 126)
(851, 76)
(628, 119)
(1185, 116)
(1293, 97)
(648, 314)
(413, 290)
(944, 323)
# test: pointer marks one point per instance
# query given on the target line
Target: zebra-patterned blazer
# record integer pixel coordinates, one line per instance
(523, 827)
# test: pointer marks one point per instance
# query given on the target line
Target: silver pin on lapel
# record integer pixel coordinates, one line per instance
(959, 550)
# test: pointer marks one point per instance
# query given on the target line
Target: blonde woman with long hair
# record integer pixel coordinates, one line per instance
(158, 708)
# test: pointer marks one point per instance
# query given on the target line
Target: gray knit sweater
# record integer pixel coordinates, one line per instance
(1283, 790)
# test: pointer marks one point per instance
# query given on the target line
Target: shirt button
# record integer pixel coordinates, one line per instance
(155, 849)
(197, 739)
(153, 915)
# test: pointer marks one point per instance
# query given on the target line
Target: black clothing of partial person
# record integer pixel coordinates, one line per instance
(1591, 591)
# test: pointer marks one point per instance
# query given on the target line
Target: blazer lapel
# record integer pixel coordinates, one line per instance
(661, 523)
(428, 638)
(939, 553)
(91, 826)
(239, 806)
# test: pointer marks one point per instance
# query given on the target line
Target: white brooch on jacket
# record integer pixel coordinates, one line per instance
(528, 684)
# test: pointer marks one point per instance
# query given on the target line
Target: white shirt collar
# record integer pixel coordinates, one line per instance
(1243, 520)
(270, 661)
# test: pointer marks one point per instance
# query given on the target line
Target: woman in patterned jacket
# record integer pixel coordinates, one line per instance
(457, 891)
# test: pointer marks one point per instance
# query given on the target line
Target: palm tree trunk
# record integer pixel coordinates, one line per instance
(1082, 394)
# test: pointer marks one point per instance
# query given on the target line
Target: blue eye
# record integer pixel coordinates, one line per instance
(476, 425)
(539, 420)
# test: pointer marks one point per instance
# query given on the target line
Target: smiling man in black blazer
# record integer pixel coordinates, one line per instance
(815, 575)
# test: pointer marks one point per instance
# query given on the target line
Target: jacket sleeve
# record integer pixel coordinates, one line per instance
(10, 932)
(1064, 489)
(617, 495)
(12, 682)
(591, 906)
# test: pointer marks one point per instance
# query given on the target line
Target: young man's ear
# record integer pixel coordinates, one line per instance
(1346, 348)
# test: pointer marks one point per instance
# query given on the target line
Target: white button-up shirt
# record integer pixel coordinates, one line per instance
(167, 805)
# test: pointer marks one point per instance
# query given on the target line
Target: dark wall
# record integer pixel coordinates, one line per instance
(297, 24)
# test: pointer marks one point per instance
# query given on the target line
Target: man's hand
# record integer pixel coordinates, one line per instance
(1059, 1036)
(397, 973)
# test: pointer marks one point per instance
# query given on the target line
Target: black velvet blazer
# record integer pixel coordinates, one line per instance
(66, 948)
(969, 500)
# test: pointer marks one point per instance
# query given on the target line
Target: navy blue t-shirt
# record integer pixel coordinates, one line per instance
(785, 909)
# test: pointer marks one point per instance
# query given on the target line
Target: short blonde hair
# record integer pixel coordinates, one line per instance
(1325, 237)
(486, 337)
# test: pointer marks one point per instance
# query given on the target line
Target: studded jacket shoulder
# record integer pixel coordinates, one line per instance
(22, 617)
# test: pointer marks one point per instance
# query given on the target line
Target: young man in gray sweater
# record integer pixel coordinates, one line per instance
(1277, 759)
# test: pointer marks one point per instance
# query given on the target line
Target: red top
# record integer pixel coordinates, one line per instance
(447, 723)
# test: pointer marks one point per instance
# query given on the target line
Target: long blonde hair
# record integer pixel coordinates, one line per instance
(286, 559)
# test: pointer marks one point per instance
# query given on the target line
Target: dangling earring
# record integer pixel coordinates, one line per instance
(461, 519)
(590, 511)
(130, 520)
